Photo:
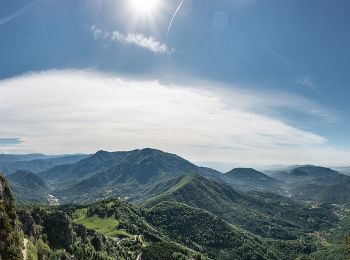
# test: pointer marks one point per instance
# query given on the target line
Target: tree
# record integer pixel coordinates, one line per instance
(59, 230)
(10, 241)
(43, 249)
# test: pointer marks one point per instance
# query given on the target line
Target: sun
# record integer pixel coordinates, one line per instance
(144, 7)
(145, 14)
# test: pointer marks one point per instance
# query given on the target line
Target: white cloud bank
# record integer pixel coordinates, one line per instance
(137, 39)
(80, 111)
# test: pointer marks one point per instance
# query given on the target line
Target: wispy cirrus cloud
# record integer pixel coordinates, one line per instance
(146, 42)
(307, 82)
(85, 111)
(17, 13)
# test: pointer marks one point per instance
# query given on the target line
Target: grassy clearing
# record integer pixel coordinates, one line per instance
(106, 226)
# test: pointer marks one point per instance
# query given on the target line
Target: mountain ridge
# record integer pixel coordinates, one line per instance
(251, 179)
(28, 187)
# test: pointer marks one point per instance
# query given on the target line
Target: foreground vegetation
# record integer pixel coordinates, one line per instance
(10, 240)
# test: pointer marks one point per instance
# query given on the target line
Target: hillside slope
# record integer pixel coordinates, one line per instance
(250, 179)
(268, 215)
(211, 234)
(28, 187)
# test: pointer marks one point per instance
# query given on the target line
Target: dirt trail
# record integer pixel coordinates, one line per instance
(25, 249)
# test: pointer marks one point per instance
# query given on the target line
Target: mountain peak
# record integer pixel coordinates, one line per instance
(101, 153)
(148, 150)
(245, 170)
(246, 173)
(251, 179)
(313, 171)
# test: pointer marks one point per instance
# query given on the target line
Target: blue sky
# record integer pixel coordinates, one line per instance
(284, 61)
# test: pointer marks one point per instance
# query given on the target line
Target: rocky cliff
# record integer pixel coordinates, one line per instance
(10, 241)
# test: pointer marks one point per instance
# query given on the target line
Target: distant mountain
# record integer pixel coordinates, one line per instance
(335, 193)
(310, 174)
(91, 165)
(149, 165)
(315, 183)
(124, 174)
(249, 211)
(6, 158)
(343, 170)
(250, 179)
(137, 175)
(28, 187)
(27, 179)
(39, 165)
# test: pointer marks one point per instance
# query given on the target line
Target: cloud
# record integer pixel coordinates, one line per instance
(85, 111)
(306, 82)
(17, 13)
(137, 39)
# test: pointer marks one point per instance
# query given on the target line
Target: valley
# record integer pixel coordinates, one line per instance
(149, 204)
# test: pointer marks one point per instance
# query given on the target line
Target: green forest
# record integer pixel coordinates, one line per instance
(177, 210)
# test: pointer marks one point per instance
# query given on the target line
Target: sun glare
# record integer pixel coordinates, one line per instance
(144, 7)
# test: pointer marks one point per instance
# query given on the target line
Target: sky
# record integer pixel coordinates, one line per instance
(222, 83)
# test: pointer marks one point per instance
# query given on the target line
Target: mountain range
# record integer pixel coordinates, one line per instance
(35, 162)
(157, 205)
(136, 174)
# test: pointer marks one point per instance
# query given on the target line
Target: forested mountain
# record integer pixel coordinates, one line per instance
(7, 158)
(119, 174)
(314, 183)
(169, 208)
(66, 173)
(168, 230)
(35, 163)
(250, 179)
(114, 229)
(28, 187)
(308, 174)
(279, 217)
(202, 231)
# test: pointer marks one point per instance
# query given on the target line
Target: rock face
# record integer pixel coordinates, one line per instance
(10, 242)
(2, 186)
(28, 225)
